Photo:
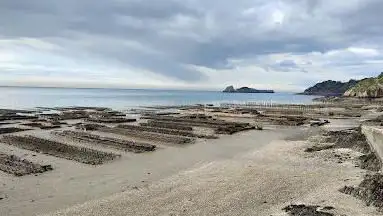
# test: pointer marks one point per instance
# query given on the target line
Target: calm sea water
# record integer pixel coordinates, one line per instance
(20, 97)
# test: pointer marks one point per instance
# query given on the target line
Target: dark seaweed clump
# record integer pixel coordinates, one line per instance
(307, 210)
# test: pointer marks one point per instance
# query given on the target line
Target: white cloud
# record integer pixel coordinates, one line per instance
(364, 51)
(280, 44)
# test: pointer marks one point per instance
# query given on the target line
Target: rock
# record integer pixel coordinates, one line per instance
(319, 148)
(319, 123)
(369, 190)
(328, 208)
(229, 89)
(234, 128)
(370, 162)
(307, 210)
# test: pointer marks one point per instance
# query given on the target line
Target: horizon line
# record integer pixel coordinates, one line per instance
(126, 88)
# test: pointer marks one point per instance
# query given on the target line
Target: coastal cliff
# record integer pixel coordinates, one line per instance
(231, 89)
(330, 88)
(367, 88)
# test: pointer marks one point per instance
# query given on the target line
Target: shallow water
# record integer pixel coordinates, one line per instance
(23, 97)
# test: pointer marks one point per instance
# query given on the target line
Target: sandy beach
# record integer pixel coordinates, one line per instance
(250, 172)
(72, 183)
(191, 108)
(260, 182)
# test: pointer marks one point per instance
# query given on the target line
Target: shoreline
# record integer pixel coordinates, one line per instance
(29, 98)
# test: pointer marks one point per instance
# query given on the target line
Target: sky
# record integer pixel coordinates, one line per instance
(284, 45)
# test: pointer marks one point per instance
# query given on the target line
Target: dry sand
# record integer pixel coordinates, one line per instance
(259, 182)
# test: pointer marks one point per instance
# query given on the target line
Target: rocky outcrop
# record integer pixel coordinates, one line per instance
(367, 88)
(330, 88)
(369, 190)
(231, 89)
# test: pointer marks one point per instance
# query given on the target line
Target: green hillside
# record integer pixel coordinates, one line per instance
(367, 88)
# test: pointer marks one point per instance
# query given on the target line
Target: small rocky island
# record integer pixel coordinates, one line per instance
(231, 89)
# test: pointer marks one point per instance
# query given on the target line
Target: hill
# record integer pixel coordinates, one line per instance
(367, 88)
(330, 88)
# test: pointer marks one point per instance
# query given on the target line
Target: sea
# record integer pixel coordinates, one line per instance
(120, 99)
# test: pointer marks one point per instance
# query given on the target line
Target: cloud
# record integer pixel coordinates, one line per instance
(190, 43)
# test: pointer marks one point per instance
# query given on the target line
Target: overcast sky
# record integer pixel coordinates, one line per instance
(203, 44)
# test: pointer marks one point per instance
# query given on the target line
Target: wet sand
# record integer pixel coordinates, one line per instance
(71, 183)
(261, 181)
(255, 172)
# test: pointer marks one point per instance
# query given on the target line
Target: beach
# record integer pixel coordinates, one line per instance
(191, 108)
(182, 160)
(261, 182)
